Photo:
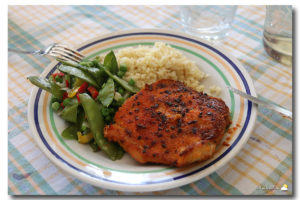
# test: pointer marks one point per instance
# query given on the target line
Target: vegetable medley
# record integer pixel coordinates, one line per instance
(87, 96)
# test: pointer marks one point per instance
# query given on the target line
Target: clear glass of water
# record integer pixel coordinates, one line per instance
(208, 22)
(278, 33)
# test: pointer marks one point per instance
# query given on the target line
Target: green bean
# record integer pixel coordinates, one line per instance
(80, 117)
(67, 63)
(86, 63)
(69, 113)
(122, 82)
(110, 63)
(79, 73)
(48, 85)
(42, 83)
(107, 93)
(55, 90)
(70, 132)
(97, 72)
(96, 123)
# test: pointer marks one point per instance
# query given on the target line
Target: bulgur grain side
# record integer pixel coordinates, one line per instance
(148, 64)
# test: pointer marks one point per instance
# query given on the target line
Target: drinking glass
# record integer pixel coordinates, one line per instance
(208, 22)
(278, 33)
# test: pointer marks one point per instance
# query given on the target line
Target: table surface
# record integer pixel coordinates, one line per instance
(261, 167)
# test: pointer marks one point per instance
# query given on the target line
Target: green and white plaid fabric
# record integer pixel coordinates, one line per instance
(260, 168)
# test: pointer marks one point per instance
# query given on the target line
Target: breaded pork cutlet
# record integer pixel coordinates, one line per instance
(170, 123)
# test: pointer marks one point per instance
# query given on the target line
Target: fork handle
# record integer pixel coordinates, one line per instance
(23, 51)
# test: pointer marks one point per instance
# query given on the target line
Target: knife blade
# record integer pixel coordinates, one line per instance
(281, 110)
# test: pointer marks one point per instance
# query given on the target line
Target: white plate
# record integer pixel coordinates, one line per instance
(126, 174)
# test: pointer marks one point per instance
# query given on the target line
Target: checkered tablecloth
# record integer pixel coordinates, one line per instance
(264, 163)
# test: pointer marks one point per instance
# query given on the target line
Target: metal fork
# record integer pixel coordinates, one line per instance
(58, 51)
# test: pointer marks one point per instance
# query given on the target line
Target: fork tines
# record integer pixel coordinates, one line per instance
(64, 53)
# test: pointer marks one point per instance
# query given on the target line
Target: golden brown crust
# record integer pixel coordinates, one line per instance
(169, 123)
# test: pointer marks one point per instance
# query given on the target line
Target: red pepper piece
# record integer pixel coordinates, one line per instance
(83, 87)
(62, 105)
(67, 83)
(93, 91)
(65, 95)
(58, 74)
